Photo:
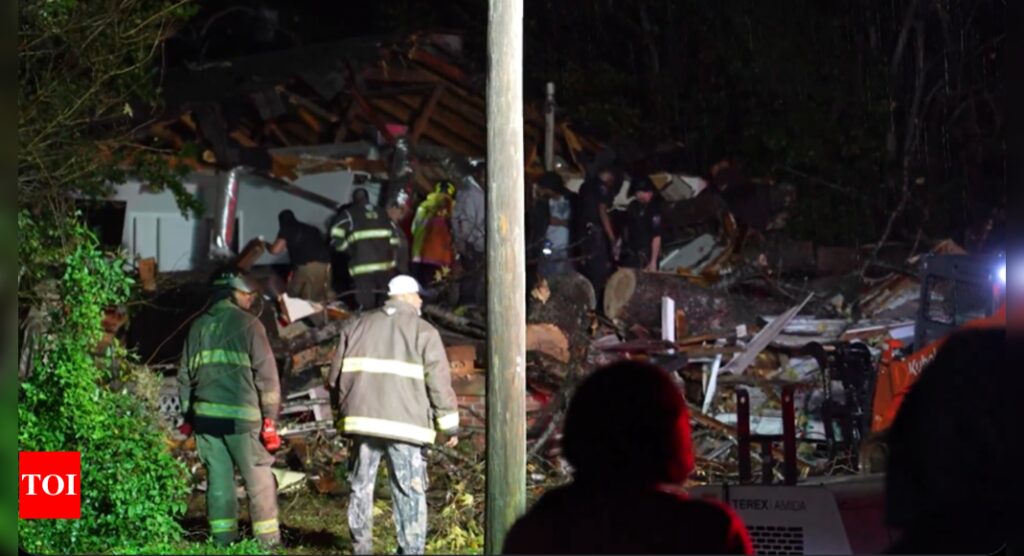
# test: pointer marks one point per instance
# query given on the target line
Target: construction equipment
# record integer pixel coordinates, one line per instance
(831, 516)
(957, 292)
(846, 515)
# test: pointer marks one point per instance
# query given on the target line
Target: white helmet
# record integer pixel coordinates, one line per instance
(403, 284)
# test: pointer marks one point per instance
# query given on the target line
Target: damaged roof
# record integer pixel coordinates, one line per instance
(271, 111)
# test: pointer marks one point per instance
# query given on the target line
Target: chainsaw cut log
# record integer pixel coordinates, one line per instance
(559, 315)
(634, 297)
(549, 340)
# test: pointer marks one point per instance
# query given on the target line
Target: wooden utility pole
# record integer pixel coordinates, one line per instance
(506, 273)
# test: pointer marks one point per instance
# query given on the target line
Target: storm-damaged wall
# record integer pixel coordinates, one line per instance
(154, 226)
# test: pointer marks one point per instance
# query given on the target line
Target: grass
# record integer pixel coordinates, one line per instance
(314, 523)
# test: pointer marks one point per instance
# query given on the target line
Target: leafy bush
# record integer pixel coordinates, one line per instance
(132, 488)
(457, 526)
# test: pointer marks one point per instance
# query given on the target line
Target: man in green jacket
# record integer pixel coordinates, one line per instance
(230, 392)
(391, 384)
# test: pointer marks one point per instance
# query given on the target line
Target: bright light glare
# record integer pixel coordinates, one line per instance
(1002, 274)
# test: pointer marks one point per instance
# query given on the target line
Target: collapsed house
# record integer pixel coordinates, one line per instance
(777, 344)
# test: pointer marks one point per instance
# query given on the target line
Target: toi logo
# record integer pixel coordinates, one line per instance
(50, 485)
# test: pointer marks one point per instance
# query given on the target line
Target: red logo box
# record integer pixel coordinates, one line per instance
(50, 485)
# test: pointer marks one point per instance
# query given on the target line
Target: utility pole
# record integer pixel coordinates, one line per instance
(506, 273)
(549, 128)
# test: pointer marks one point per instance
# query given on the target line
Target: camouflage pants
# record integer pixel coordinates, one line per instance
(408, 471)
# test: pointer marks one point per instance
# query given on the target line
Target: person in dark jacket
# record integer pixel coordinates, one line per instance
(642, 245)
(310, 258)
(593, 229)
(627, 436)
(397, 213)
(948, 478)
(365, 235)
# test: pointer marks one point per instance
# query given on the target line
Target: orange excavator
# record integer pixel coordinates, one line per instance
(846, 514)
(957, 292)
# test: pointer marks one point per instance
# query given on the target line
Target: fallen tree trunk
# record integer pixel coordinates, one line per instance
(634, 297)
(559, 316)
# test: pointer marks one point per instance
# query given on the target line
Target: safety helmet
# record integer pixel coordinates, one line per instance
(234, 281)
(445, 187)
(403, 284)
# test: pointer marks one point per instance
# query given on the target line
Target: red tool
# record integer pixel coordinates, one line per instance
(271, 440)
(185, 429)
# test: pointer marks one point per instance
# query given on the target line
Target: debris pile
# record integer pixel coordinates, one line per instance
(744, 355)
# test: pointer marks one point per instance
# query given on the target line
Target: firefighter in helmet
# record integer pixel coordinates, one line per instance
(231, 397)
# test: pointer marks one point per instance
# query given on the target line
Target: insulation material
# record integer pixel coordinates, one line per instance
(224, 218)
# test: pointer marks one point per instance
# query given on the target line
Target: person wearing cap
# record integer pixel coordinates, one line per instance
(309, 256)
(390, 384)
(365, 236)
(643, 227)
(230, 397)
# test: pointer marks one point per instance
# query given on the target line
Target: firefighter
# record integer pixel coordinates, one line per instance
(365, 234)
(391, 386)
(230, 397)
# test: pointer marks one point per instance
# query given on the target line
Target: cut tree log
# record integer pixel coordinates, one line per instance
(559, 315)
(548, 339)
(634, 297)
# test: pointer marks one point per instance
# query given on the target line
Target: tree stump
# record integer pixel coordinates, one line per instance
(559, 316)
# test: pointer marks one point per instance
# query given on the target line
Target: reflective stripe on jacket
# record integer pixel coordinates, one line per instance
(366, 234)
(390, 377)
(227, 368)
(431, 231)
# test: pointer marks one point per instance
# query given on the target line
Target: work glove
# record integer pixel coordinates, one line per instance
(271, 440)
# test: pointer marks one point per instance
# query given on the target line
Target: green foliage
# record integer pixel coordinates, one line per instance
(132, 487)
(456, 522)
(457, 528)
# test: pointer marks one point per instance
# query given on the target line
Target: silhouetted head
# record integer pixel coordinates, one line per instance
(286, 218)
(643, 188)
(627, 424)
(360, 197)
(554, 183)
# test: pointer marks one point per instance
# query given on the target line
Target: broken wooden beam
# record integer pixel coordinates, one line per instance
(428, 110)
(309, 105)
